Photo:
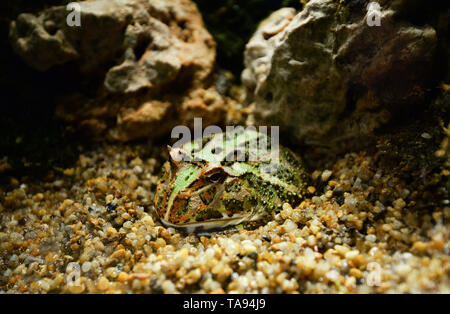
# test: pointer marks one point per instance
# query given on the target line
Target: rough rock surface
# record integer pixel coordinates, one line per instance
(128, 56)
(329, 79)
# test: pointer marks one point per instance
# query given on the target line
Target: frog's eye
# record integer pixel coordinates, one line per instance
(216, 176)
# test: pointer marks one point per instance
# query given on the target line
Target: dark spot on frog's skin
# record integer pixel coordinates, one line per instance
(216, 150)
(234, 187)
(230, 156)
(284, 174)
(111, 206)
(261, 138)
(233, 205)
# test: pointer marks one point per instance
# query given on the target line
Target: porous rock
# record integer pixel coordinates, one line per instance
(330, 80)
(141, 64)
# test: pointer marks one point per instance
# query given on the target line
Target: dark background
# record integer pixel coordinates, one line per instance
(35, 141)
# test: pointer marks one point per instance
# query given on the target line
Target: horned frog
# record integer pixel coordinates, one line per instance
(214, 184)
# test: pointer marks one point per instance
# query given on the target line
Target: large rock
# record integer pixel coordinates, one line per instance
(329, 79)
(143, 66)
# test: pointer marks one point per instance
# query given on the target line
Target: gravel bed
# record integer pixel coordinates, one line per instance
(91, 229)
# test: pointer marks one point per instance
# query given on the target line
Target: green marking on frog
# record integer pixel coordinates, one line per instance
(211, 191)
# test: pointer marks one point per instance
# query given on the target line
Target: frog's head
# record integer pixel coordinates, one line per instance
(204, 190)
(202, 195)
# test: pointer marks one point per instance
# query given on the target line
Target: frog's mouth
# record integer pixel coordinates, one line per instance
(209, 225)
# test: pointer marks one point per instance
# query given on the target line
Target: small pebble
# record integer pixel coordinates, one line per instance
(326, 175)
(103, 283)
